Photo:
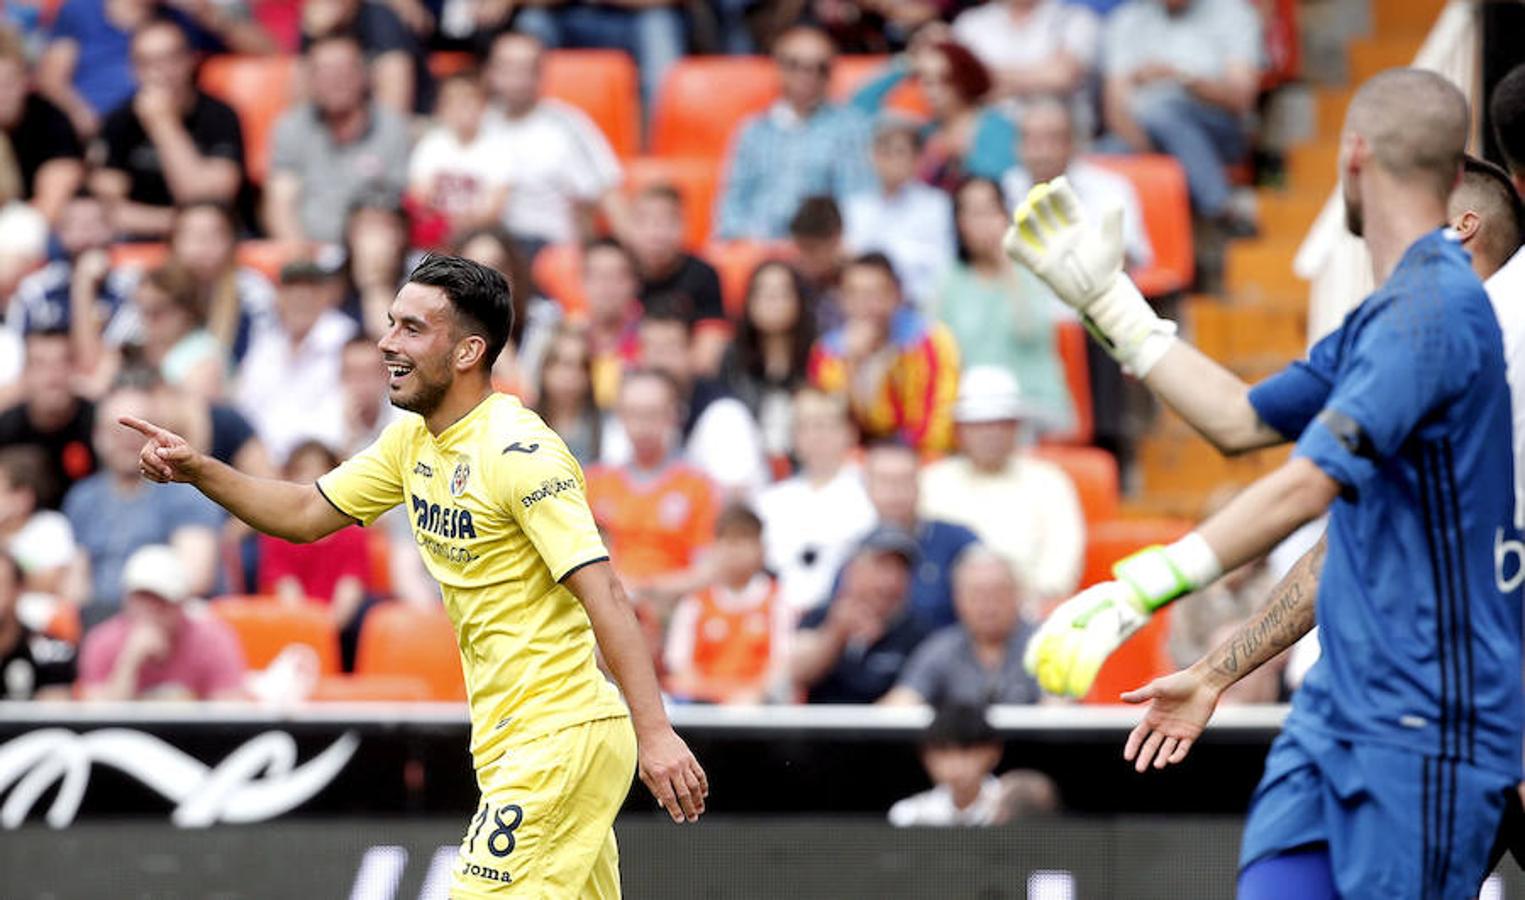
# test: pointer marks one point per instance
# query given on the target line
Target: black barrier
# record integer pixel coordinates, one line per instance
(1040, 859)
(198, 765)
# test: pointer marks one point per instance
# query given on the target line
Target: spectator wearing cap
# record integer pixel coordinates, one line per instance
(1181, 77)
(960, 752)
(562, 171)
(892, 476)
(330, 150)
(853, 649)
(157, 648)
(1024, 508)
(114, 512)
(288, 385)
(903, 218)
(33, 666)
(802, 146)
(898, 369)
(169, 143)
(979, 659)
(1000, 313)
(812, 519)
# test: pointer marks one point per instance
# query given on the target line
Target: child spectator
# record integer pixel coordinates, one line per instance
(960, 752)
(727, 643)
(32, 666)
(332, 571)
(456, 169)
(38, 542)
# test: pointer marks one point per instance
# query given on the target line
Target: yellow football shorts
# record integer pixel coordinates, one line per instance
(545, 826)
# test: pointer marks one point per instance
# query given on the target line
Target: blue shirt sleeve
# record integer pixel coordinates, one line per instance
(184, 507)
(1407, 359)
(1288, 400)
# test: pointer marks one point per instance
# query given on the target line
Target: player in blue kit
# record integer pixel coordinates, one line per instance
(1392, 771)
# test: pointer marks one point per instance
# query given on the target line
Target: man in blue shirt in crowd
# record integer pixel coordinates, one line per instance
(1391, 774)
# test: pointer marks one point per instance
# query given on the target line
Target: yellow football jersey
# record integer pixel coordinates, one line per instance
(499, 512)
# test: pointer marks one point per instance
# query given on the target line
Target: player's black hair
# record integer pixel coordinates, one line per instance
(875, 260)
(738, 517)
(1495, 179)
(818, 218)
(1507, 110)
(481, 297)
(959, 725)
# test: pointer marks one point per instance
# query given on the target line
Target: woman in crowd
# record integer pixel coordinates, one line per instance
(965, 137)
(535, 318)
(174, 338)
(999, 313)
(766, 363)
(203, 243)
(564, 392)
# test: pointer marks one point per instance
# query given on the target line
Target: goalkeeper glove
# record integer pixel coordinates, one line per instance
(1069, 648)
(1083, 265)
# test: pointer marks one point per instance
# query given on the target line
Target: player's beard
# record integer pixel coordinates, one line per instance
(1355, 219)
(427, 393)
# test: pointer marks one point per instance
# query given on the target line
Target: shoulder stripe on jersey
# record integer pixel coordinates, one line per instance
(336, 506)
(1433, 543)
(1464, 599)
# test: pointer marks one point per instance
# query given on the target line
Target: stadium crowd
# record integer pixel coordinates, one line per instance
(830, 431)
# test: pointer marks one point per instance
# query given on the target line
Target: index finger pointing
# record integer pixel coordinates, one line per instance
(147, 429)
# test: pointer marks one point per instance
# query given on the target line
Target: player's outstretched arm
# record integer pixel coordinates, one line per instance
(284, 509)
(1070, 646)
(667, 766)
(1082, 261)
(1181, 704)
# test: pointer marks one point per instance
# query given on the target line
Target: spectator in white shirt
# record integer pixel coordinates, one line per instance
(960, 752)
(1032, 47)
(457, 168)
(289, 385)
(904, 218)
(1048, 149)
(561, 169)
(812, 521)
(1024, 508)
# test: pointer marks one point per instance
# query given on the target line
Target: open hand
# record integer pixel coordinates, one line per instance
(1179, 707)
(166, 456)
(670, 771)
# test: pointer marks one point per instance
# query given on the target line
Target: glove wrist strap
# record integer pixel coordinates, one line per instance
(1129, 328)
(1159, 575)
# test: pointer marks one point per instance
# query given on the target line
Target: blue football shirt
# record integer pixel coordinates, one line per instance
(1421, 639)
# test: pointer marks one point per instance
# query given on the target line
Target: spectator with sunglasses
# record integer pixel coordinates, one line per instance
(801, 147)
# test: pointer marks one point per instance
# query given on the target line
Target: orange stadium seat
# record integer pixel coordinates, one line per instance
(695, 180)
(704, 98)
(259, 88)
(398, 639)
(557, 271)
(265, 626)
(138, 256)
(849, 73)
(603, 84)
(1094, 472)
(444, 63)
(1144, 656)
(378, 553)
(267, 257)
(1161, 187)
(1070, 341)
(371, 689)
(735, 261)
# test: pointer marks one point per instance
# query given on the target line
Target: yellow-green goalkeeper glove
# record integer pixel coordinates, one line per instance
(1070, 646)
(1083, 264)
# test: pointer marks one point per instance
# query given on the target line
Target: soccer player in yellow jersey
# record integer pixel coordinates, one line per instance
(499, 514)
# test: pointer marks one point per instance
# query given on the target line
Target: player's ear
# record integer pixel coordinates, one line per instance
(469, 352)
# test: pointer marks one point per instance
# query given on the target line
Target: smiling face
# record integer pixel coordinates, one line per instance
(418, 348)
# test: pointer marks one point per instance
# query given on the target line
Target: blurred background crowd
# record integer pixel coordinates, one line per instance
(841, 448)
